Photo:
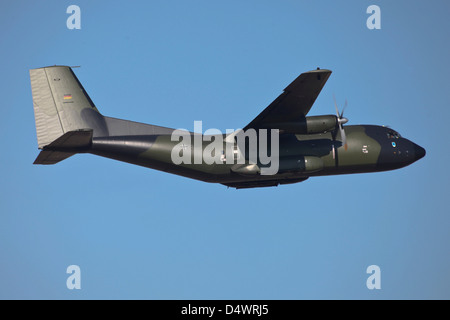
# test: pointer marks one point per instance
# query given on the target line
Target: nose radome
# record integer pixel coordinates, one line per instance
(419, 152)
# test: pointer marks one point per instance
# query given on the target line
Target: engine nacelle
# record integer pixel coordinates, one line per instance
(307, 164)
(307, 125)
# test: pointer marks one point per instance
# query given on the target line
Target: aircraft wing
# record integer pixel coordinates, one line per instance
(295, 102)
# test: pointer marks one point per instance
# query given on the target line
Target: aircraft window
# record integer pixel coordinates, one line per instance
(393, 135)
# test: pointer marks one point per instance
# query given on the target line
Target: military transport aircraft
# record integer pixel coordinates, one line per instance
(68, 122)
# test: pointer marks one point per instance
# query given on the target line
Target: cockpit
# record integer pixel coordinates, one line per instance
(391, 134)
(396, 151)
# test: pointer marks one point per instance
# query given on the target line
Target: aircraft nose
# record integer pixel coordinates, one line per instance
(419, 152)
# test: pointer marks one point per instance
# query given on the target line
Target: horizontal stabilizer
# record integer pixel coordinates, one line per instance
(65, 146)
(72, 140)
(52, 157)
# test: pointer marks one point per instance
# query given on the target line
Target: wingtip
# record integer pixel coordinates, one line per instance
(319, 70)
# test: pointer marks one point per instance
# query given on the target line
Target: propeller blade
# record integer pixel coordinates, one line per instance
(340, 121)
(335, 105)
(345, 106)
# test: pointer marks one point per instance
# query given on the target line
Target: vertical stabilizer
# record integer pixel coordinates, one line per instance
(62, 105)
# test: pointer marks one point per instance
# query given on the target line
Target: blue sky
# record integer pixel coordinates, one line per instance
(144, 234)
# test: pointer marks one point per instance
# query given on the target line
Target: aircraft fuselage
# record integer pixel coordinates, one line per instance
(370, 149)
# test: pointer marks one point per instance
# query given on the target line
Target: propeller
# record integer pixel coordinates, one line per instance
(341, 121)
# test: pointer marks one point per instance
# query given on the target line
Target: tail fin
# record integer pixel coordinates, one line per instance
(61, 106)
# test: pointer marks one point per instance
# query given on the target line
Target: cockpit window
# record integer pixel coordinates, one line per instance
(393, 134)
